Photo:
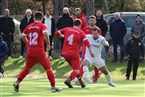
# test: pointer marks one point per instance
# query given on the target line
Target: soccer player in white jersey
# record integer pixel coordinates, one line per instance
(96, 42)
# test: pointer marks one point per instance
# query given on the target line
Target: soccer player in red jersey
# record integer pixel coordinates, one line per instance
(88, 30)
(72, 37)
(36, 33)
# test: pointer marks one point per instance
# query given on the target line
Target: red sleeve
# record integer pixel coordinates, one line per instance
(85, 40)
(62, 31)
(44, 28)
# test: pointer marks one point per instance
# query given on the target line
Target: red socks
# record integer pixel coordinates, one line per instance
(22, 75)
(72, 75)
(51, 78)
(97, 73)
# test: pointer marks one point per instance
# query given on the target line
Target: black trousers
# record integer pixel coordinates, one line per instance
(51, 40)
(23, 45)
(134, 64)
(121, 44)
(8, 39)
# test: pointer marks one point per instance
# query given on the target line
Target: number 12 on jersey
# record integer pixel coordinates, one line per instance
(70, 39)
(33, 38)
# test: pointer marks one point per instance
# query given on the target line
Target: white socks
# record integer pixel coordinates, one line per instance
(108, 78)
(86, 73)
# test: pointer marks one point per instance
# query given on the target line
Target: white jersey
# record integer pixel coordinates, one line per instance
(96, 45)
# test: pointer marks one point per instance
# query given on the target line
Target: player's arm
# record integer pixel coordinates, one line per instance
(24, 36)
(60, 33)
(46, 37)
(105, 42)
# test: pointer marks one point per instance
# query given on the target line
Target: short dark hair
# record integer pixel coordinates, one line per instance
(138, 16)
(38, 15)
(77, 22)
(96, 29)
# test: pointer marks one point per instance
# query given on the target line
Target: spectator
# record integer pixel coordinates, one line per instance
(139, 26)
(64, 21)
(135, 52)
(3, 54)
(28, 19)
(7, 29)
(117, 33)
(80, 15)
(50, 22)
(101, 23)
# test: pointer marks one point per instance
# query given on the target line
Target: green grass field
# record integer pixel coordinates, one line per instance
(37, 85)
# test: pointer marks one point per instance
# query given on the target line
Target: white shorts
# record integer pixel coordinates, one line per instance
(97, 61)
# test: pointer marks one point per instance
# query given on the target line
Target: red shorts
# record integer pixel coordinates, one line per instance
(73, 60)
(44, 61)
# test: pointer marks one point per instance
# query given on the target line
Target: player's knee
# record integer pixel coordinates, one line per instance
(85, 63)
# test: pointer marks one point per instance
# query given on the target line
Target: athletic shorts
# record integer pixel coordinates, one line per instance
(32, 61)
(73, 61)
(97, 61)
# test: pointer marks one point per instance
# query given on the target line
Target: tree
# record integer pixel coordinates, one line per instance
(4, 4)
(106, 6)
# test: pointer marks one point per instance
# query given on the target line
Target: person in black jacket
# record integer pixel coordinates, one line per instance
(117, 33)
(64, 21)
(28, 19)
(50, 22)
(101, 23)
(135, 51)
(3, 54)
(7, 29)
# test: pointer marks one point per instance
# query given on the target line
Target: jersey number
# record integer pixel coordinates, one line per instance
(70, 39)
(33, 38)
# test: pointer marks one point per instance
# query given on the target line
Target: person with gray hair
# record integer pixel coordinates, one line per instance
(28, 19)
(138, 26)
(117, 33)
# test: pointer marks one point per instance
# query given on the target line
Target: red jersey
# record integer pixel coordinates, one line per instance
(34, 32)
(72, 37)
(89, 30)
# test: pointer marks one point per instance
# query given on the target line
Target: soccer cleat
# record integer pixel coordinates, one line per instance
(112, 84)
(16, 86)
(68, 84)
(55, 89)
(83, 85)
(61, 58)
(50, 58)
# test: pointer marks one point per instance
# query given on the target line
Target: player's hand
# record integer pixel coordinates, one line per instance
(48, 48)
(92, 55)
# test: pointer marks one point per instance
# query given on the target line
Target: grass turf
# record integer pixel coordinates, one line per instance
(37, 85)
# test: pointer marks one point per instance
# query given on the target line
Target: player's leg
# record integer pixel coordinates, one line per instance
(102, 67)
(128, 70)
(135, 68)
(96, 74)
(45, 62)
(30, 62)
(86, 62)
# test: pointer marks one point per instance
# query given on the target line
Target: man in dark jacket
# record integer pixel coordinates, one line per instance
(28, 19)
(101, 23)
(64, 21)
(135, 51)
(117, 33)
(3, 54)
(50, 22)
(139, 26)
(7, 29)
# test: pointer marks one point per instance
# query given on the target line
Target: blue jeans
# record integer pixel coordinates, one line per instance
(103, 53)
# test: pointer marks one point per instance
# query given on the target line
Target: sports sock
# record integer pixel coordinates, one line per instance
(86, 72)
(97, 73)
(22, 75)
(51, 78)
(108, 78)
(72, 75)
